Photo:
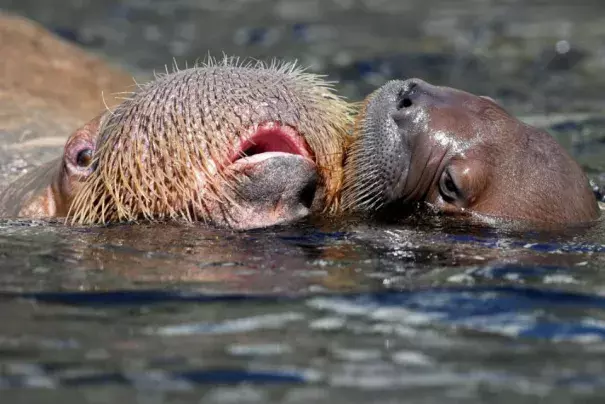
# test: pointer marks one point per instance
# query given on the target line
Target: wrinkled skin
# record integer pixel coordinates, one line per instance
(237, 146)
(460, 154)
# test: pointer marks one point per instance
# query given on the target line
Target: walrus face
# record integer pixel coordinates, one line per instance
(271, 177)
(237, 146)
(459, 153)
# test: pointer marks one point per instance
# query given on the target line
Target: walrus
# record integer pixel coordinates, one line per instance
(49, 85)
(233, 144)
(459, 154)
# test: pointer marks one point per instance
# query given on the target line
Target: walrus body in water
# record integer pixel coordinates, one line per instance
(240, 146)
(460, 154)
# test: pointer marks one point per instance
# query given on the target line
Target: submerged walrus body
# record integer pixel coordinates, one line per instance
(462, 155)
(240, 146)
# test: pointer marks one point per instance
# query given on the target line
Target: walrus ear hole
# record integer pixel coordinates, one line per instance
(448, 188)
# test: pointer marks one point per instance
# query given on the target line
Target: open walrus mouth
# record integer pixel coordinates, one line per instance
(237, 145)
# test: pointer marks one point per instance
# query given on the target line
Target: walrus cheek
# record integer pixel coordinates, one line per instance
(270, 188)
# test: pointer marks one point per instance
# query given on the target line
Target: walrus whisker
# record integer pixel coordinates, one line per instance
(175, 66)
(123, 92)
(105, 103)
(137, 84)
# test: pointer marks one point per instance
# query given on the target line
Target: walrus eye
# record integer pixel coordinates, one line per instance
(84, 158)
(448, 188)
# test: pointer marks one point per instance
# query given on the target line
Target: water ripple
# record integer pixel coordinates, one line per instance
(507, 310)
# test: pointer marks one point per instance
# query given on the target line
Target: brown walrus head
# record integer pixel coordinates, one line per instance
(460, 153)
(241, 146)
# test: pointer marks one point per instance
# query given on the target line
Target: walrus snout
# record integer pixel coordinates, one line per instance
(273, 188)
(378, 163)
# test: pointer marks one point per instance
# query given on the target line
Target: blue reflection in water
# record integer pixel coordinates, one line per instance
(536, 246)
(509, 311)
(494, 309)
(214, 376)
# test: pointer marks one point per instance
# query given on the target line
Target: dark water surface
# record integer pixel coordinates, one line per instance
(323, 312)
(307, 313)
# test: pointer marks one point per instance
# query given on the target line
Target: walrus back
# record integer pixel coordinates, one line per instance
(28, 195)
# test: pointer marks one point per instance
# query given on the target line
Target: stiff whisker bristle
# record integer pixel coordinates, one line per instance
(362, 189)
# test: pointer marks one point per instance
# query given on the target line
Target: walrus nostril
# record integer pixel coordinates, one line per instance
(307, 194)
(405, 96)
(404, 102)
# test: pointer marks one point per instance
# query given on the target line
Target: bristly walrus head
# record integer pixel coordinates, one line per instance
(237, 145)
